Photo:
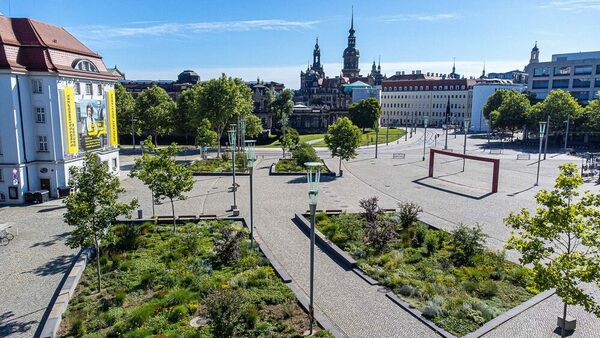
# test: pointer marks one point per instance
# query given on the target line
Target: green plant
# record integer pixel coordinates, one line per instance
(288, 309)
(303, 153)
(226, 311)
(488, 289)
(119, 297)
(419, 232)
(380, 233)
(433, 308)
(432, 241)
(466, 242)
(371, 208)
(408, 212)
(227, 244)
(178, 313)
(251, 316)
(78, 328)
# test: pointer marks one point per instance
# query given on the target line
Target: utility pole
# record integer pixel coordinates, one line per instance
(567, 131)
(547, 133)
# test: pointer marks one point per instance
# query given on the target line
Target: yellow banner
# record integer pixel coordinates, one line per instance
(71, 121)
(112, 116)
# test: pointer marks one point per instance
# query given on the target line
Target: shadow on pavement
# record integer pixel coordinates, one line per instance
(55, 266)
(52, 208)
(521, 191)
(421, 183)
(55, 239)
(302, 179)
(10, 325)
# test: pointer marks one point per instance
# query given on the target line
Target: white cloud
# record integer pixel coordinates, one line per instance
(573, 5)
(418, 17)
(290, 74)
(162, 29)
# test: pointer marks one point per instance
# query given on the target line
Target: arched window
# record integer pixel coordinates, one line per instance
(85, 65)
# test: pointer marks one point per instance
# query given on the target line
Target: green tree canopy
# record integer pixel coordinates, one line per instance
(93, 205)
(512, 112)
(282, 105)
(591, 115)
(290, 139)
(125, 108)
(155, 110)
(343, 139)
(188, 116)
(558, 105)
(365, 113)
(493, 102)
(205, 136)
(253, 125)
(562, 239)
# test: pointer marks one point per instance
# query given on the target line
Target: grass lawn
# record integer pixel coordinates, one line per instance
(303, 138)
(218, 165)
(155, 281)
(421, 266)
(286, 165)
(368, 138)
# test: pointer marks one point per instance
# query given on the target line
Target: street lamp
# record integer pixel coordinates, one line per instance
(567, 131)
(542, 132)
(466, 125)
(242, 134)
(425, 122)
(232, 142)
(133, 120)
(250, 147)
(313, 176)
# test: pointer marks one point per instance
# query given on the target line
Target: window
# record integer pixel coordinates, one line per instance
(562, 71)
(43, 143)
(40, 115)
(1, 179)
(85, 65)
(77, 88)
(581, 83)
(581, 95)
(560, 83)
(36, 86)
(583, 70)
(100, 90)
(88, 89)
(597, 69)
(541, 71)
(540, 84)
(597, 82)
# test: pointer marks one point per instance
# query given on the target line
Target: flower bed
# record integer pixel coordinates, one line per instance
(286, 165)
(155, 282)
(217, 165)
(438, 273)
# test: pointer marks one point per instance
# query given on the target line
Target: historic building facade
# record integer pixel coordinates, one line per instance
(57, 102)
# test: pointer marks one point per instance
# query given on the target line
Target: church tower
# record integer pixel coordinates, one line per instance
(351, 53)
(316, 66)
(535, 54)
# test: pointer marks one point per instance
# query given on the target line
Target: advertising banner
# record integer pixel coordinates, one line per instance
(71, 121)
(92, 114)
(112, 116)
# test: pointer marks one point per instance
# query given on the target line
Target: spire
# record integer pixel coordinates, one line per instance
(454, 65)
(352, 22)
(317, 43)
(379, 64)
(483, 73)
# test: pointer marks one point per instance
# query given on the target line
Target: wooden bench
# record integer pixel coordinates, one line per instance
(523, 156)
(398, 156)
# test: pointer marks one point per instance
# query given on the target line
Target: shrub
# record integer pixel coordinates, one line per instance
(471, 286)
(225, 156)
(371, 208)
(487, 312)
(412, 255)
(226, 311)
(520, 276)
(77, 327)
(408, 290)
(488, 289)
(304, 153)
(466, 242)
(380, 233)
(112, 315)
(288, 309)
(119, 298)
(418, 236)
(408, 213)
(141, 314)
(432, 241)
(433, 308)
(227, 244)
(251, 316)
(178, 313)
(179, 296)
(127, 236)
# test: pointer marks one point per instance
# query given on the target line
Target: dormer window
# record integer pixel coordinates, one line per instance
(85, 66)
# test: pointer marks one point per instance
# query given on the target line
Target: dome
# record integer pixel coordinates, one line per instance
(188, 76)
(350, 51)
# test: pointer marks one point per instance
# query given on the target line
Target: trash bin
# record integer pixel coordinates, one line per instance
(64, 191)
(41, 196)
(28, 197)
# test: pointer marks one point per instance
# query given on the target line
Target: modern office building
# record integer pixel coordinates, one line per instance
(408, 102)
(577, 73)
(56, 103)
(516, 76)
(482, 90)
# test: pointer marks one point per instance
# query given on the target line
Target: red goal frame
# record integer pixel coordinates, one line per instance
(495, 161)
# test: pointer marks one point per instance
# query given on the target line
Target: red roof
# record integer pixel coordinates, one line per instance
(31, 45)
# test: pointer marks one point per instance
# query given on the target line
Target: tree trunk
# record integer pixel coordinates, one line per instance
(98, 264)
(340, 166)
(563, 331)
(173, 213)
(156, 140)
(153, 213)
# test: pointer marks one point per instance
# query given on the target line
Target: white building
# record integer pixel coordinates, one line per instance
(408, 101)
(56, 103)
(482, 90)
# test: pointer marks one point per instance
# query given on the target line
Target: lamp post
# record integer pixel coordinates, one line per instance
(446, 140)
(250, 147)
(133, 120)
(242, 133)
(313, 176)
(232, 142)
(542, 133)
(547, 133)
(387, 129)
(567, 131)
(466, 125)
(425, 122)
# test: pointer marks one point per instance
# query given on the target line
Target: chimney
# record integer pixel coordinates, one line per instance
(398, 73)
(413, 72)
(418, 72)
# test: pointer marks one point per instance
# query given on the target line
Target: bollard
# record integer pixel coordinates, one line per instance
(140, 214)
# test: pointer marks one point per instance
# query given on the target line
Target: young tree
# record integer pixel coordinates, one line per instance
(253, 125)
(289, 140)
(155, 110)
(205, 136)
(144, 168)
(93, 206)
(591, 116)
(187, 116)
(365, 113)
(562, 240)
(223, 100)
(343, 139)
(125, 109)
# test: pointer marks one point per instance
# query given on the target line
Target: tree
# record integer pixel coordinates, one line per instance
(282, 105)
(493, 102)
(144, 168)
(205, 136)
(512, 112)
(155, 110)
(303, 153)
(558, 105)
(365, 113)
(343, 139)
(253, 125)
(289, 140)
(223, 100)
(93, 205)
(591, 116)
(167, 179)
(125, 109)
(187, 116)
(562, 239)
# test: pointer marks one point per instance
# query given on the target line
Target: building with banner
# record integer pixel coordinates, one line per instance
(57, 102)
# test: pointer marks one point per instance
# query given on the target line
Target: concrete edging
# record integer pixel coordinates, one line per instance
(198, 173)
(66, 292)
(418, 315)
(272, 171)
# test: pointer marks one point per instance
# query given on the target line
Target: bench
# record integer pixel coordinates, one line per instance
(333, 211)
(398, 156)
(207, 216)
(187, 217)
(523, 156)
(495, 151)
(164, 217)
(388, 210)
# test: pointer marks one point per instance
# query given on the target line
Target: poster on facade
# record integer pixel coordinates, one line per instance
(71, 121)
(112, 116)
(92, 126)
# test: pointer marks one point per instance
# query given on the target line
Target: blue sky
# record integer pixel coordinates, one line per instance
(274, 39)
